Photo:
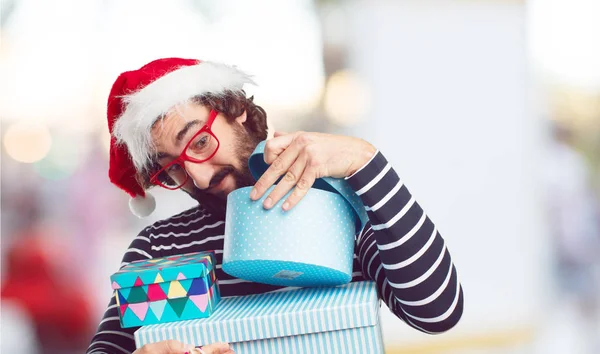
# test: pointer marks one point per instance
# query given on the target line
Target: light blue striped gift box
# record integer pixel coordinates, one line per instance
(342, 319)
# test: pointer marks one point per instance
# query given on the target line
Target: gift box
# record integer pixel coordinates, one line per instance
(342, 319)
(166, 289)
(308, 246)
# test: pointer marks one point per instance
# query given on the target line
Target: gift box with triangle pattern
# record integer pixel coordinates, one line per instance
(168, 289)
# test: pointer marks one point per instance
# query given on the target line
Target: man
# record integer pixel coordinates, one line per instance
(185, 124)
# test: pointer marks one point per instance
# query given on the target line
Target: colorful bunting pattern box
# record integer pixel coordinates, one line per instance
(162, 290)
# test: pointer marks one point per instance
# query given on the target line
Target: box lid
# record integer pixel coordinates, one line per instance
(277, 314)
(159, 270)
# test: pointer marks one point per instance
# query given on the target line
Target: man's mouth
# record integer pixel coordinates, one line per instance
(218, 187)
(216, 183)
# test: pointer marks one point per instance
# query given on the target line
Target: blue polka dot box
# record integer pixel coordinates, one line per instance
(311, 245)
(169, 289)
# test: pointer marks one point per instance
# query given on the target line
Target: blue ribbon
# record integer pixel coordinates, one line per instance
(310, 245)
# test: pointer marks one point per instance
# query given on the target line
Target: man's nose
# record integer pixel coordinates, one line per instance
(200, 173)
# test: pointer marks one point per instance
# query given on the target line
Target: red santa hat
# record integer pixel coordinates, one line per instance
(139, 97)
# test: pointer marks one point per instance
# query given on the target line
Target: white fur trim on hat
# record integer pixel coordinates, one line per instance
(142, 206)
(145, 106)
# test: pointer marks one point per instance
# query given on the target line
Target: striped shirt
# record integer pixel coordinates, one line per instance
(400, 249)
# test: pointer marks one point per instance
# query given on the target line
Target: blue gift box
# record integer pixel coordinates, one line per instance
(342, 319)
(308, 246)
(168, 289)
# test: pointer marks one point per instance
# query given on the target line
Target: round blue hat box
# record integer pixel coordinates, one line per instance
(310, 245)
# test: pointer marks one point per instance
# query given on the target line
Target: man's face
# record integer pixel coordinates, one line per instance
(227, 170)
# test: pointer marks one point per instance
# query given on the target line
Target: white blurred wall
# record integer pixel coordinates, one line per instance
(452, 110)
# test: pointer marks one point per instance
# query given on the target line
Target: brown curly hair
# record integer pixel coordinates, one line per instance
(231, 104)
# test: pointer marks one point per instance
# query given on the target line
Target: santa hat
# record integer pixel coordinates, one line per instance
(139, 97)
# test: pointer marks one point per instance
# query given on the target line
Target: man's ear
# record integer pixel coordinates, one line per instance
(270, 129)
(241, 118)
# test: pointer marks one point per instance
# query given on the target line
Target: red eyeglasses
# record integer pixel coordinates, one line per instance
(201, 147)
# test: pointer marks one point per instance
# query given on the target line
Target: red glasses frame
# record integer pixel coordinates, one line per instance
(183, 157)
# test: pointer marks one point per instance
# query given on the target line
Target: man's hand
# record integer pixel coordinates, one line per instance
(302, 158)
(176, 347)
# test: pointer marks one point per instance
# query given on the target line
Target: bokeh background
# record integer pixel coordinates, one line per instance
(489, 110)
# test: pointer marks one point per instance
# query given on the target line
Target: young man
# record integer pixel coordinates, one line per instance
(186, 124)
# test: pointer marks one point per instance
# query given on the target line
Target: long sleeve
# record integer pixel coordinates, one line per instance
(110, 338)
(402, 250)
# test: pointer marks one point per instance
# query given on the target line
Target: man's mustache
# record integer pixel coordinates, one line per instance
(219, 176)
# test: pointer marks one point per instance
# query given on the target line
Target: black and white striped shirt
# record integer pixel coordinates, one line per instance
(400, 248)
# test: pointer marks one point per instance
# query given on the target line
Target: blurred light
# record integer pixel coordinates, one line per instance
(138, 39)
(65, 156)
(565, 41)
(335, 24)
(283, 52)
(576, 108)
(347, 98)
(48, 65)
(27, 143)
(65, 81)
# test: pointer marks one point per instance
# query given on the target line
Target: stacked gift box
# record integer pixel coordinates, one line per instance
(166, 289)
(342, 319)
(178, 298)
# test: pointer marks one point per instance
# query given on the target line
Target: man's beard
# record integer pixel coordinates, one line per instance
(245, 144)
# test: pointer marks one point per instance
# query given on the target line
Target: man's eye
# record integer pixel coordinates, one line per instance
(202, 141)
(174, 168)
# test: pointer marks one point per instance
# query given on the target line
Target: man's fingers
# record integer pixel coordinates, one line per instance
(277, 168)
(176, 347)
(302, 186)
(172, 347)
(276, 146)
(277, 134)
(217, 348)
(289, 180)
(164, 347)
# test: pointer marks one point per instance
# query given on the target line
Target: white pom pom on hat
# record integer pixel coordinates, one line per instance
(142, 206)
